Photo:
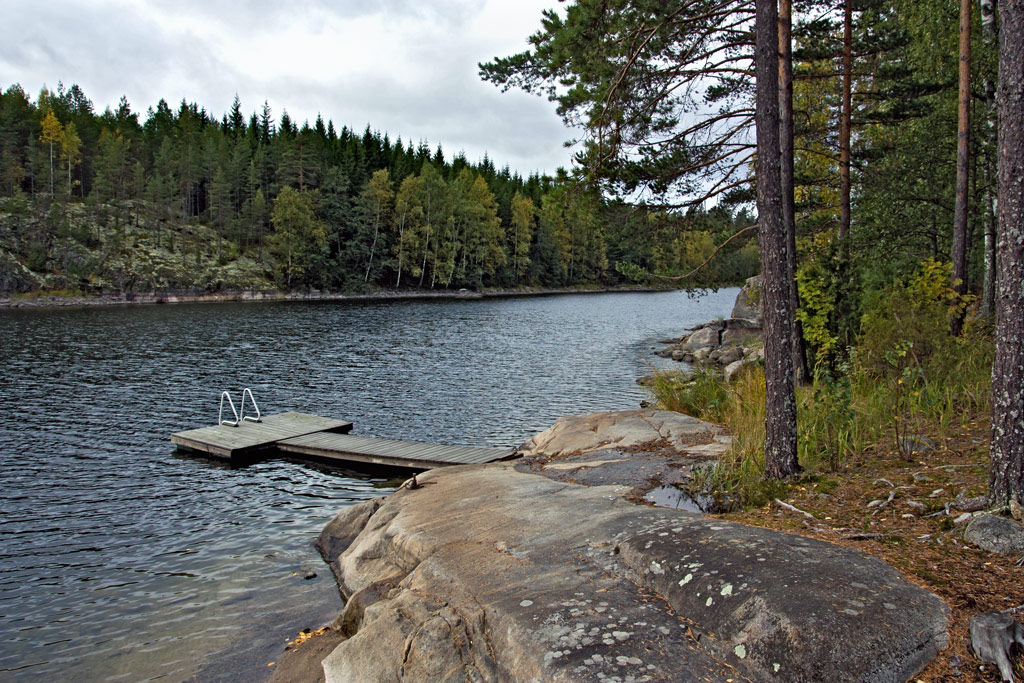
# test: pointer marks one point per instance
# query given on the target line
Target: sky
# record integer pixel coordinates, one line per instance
(406, 67)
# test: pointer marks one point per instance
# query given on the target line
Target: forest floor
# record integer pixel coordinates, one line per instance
(927, 548)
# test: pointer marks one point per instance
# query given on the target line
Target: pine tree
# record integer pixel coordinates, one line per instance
(1006, 474)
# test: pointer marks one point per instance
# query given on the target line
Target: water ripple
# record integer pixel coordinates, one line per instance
(122, 560)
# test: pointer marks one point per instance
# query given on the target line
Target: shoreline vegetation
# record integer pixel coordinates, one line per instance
(63, 299)
(894, 450)
(176, 200)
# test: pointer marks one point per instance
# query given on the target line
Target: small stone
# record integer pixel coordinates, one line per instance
(309, 575)
(995, 534)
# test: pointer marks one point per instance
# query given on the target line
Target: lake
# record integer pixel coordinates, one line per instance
(123, 560)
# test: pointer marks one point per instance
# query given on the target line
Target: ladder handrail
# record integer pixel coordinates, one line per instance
(248, 392)
(220, 414)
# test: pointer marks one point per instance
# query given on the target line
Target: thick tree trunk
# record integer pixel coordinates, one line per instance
(988, 289)
(963, 161)
(801, 375)
(1006, 475)
(780, 403)
(846, 121)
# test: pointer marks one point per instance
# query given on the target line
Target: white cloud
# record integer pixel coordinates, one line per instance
(407, 68)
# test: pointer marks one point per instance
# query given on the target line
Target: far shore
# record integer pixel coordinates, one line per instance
(44, 300)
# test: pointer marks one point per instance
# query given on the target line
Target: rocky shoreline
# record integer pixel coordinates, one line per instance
(547, 568)
(553, 567)
(728, 344)
(42, 300)
(557, 566)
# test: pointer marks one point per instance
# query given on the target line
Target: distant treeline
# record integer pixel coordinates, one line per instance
(182, 199)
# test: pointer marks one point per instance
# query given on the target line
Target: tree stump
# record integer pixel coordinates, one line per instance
(993, 635)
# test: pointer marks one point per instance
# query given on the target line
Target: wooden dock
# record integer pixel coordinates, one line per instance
(326, 439)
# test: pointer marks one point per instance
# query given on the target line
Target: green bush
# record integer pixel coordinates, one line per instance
(907, 376)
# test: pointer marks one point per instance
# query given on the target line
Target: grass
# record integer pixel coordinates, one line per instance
(907, 378)
(844, 419)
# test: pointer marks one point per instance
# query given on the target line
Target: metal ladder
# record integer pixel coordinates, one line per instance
(239, 418)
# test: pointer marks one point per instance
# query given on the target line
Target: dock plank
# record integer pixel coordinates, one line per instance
(301, 434)
(395, 452)
(227, 442)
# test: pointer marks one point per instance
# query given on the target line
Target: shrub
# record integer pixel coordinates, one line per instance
(702, 394)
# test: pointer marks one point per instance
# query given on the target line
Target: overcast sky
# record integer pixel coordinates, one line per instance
(406, 67)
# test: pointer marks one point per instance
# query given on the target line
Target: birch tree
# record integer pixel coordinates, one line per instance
(52, 134)
(990, 35)
(70, 150)
(378, 198)
(523, 222)
(408, 219)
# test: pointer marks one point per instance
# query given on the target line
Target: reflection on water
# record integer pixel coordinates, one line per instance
(121, 560)
(679, 499)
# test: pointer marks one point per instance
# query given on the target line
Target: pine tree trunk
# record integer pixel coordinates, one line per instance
(963, 160)
(800, 370)
(1006, 475)
(780, 403)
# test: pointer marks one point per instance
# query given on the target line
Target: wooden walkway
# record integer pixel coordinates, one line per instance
(326, 439)
(391, 452)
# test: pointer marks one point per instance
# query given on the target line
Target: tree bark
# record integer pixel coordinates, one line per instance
(963, 159)
(1006, 473)
(845, 121)
(988, 30)
(801, 375)
(780, 402)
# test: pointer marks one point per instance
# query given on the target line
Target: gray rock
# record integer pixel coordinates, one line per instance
(748, 301)
(490, 573)
(741, 336)
(682, 356)
(619, 429)
(704, 337)
(995, 534)
(730, 355)
(700, 355)
(739, 324)
(753, 353)
(733, 369)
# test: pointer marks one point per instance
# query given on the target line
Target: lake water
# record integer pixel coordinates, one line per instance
(122, 560)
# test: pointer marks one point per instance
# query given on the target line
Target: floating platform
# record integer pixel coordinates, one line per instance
(325, 439)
